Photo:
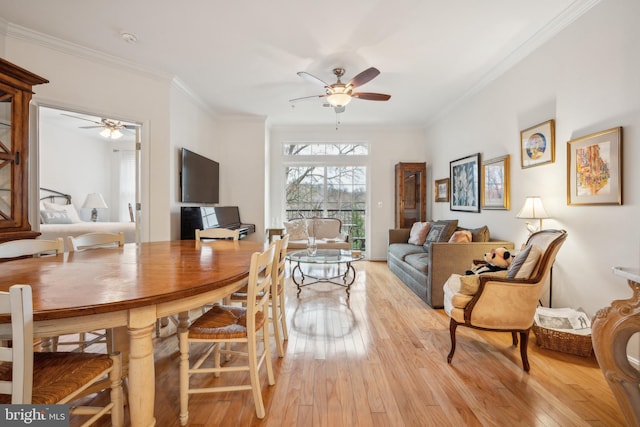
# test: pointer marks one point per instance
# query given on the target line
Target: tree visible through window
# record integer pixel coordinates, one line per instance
(326, 187)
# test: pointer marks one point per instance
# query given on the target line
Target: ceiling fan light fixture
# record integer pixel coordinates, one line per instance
(111, 133)
(105, 133)
(338, 99)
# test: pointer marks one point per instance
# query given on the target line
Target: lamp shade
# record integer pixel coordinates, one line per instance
(94, 201)
(532, 209)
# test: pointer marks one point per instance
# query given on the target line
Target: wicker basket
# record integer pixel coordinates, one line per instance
(563, 341)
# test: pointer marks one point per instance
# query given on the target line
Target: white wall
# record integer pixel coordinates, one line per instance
(243, 168)
(388, 146)
(587, 79)
(193, 127)
(76, 164)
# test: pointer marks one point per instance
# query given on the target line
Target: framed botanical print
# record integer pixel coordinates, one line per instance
(594, 169)
(442, 190)
(538, 145)
(495, 183)
(464, 174)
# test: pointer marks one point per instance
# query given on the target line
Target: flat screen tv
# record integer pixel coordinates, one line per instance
(199, 178)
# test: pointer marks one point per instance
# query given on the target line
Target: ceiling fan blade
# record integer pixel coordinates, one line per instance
(131, 127)
(364, 77)
(90, 127)
(311, 78)
(372, 96)
(81, 118)
(307, 98)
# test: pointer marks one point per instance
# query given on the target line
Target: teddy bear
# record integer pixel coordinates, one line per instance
(497, 260)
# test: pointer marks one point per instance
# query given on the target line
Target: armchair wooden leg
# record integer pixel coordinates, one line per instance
(452, 331)
(514, 336)
(524, 341)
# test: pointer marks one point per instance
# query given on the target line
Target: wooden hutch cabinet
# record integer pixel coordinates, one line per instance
(15, 94)
(411, 184)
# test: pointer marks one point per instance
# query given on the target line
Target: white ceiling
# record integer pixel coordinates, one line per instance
(241, 57)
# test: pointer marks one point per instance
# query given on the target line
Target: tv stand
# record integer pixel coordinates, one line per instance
(205, 217)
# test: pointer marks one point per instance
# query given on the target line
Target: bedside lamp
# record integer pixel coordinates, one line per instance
(94, 201)
(533, 209)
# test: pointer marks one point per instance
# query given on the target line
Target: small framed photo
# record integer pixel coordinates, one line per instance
(442, 190)
(538, 145)
(495, 183)
(465, 184)
(594, 169)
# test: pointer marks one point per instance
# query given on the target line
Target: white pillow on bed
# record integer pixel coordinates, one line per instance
(54, 217)
(71, 211)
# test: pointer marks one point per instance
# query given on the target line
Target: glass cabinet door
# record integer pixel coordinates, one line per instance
(8, 159)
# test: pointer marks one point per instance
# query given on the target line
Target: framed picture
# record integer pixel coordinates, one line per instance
(594, 169)
(465, 184)
(538, 145)
(495, 183)
(442, 190)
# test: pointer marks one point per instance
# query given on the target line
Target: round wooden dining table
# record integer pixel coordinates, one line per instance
(130, 287)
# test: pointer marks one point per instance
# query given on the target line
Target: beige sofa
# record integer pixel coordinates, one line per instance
(425, 268)
(326, 230)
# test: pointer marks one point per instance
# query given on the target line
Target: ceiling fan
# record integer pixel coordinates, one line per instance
(110, 128)
(339, 94)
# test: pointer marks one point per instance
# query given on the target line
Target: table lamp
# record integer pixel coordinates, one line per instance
(94, 201)
(533, 209)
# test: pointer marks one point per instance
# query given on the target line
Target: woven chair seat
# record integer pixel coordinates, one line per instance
(223, 322)
(57, 375)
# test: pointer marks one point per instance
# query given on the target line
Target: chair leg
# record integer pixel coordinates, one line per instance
(524, 341)
(514, 337)
(254, 375)
(283, 317)
(452, 331)
(275, 320)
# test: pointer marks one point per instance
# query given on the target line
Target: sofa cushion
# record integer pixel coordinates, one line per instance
(441, 231)
(401, 250)
(418, 261)
(418, 233)
(296, 229)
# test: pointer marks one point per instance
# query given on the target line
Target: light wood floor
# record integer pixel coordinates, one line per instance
(380, 360)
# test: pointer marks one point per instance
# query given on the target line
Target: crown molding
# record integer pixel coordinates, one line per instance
(526, 48)
(184, 88)
(73, 49)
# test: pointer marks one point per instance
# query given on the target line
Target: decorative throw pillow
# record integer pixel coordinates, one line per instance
(297, 230)
(441, 231)
(418, 233)
(69, 209)
(54, 217)
(524, 263)
(480, 234)
(460, 236)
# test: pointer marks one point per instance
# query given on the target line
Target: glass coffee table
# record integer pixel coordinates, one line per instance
(339, 258)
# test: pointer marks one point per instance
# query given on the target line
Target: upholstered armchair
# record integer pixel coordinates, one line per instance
(504, 302)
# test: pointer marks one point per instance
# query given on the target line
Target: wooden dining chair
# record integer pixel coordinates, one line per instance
(81, 243)
(237, 325)
(277, 317)
(94, 241)
(43, 378)
(31, 247)
(217, 233)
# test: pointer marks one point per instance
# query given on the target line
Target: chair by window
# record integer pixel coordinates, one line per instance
(52, 378)
(504, 303)
(217, 233)
(238, 325)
